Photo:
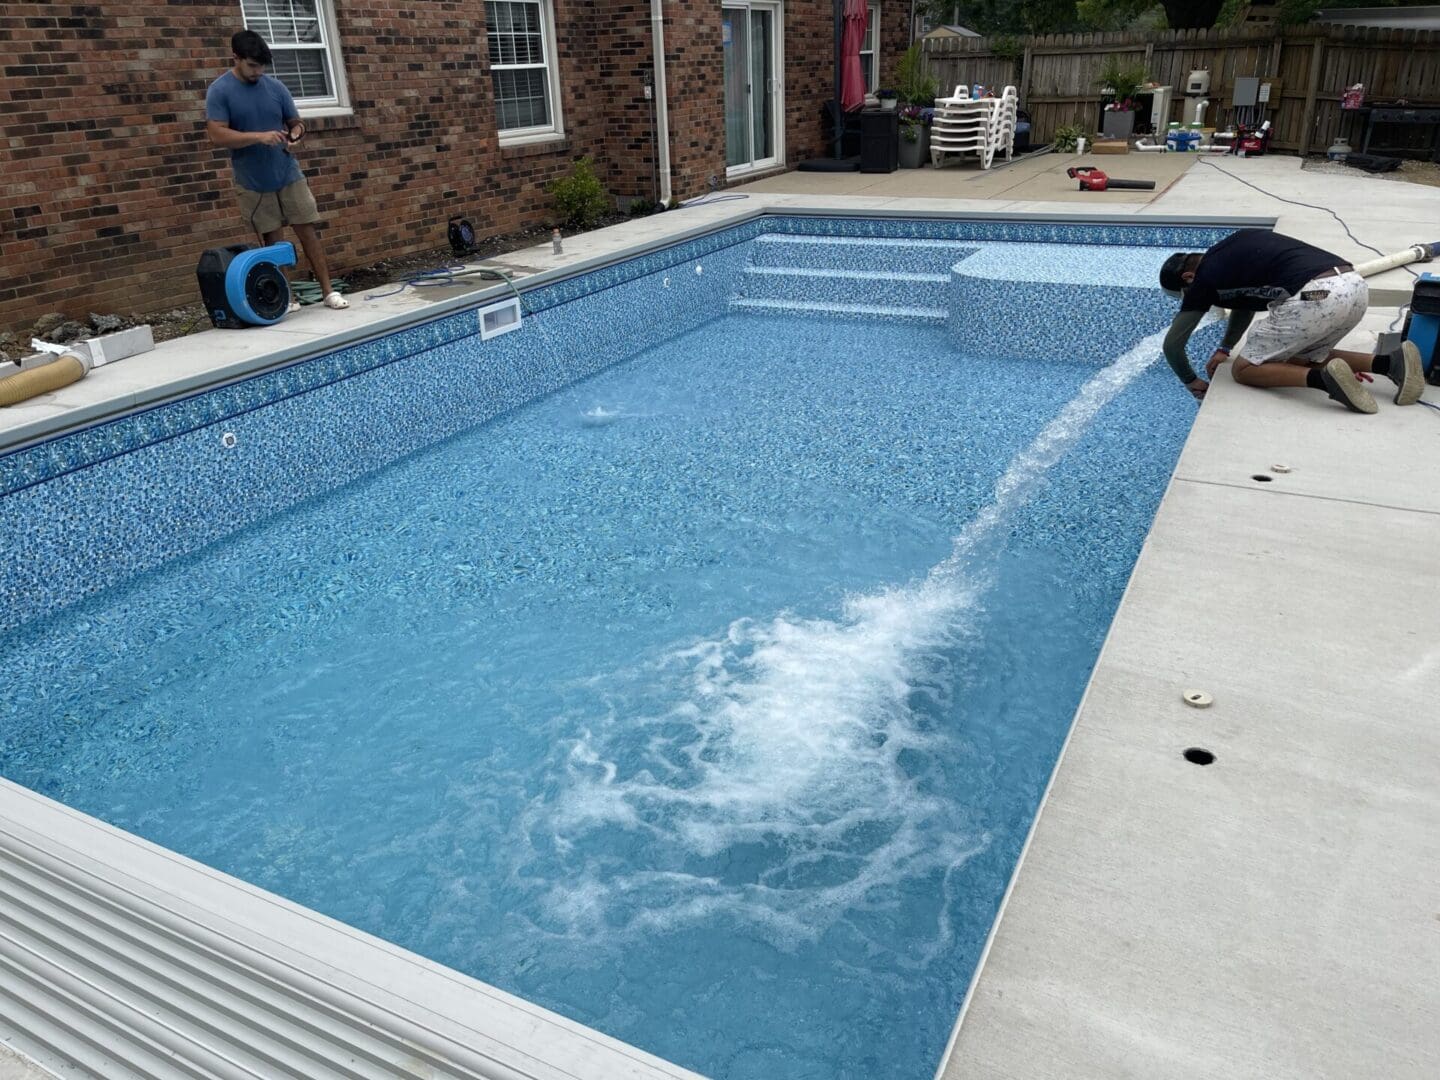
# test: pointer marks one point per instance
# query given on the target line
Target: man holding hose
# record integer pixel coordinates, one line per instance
(1311, 298)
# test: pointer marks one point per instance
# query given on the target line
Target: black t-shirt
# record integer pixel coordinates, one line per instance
(1253, 267)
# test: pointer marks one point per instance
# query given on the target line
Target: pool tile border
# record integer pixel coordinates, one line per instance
(67, 452)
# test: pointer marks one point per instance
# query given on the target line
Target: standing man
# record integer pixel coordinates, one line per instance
(252, 115)
(1313, 299)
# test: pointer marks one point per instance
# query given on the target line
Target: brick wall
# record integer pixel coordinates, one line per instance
(109, 189)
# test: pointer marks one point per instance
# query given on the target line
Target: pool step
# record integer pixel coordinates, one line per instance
(863, 253)
(804, 284)
(834, 310)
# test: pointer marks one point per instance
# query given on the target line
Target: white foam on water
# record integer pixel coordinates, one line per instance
(599, 416)
(776, 775)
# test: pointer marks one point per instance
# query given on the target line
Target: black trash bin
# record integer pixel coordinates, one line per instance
(879, 140)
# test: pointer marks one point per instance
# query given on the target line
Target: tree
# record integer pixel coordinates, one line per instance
(1179, 14)
(1191, 14)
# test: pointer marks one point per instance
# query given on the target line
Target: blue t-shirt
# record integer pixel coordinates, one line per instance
(261, 106)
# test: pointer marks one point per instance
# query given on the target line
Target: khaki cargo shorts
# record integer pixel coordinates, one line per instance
(266, 211)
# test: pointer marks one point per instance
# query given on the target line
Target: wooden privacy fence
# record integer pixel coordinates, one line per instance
(1308, 67)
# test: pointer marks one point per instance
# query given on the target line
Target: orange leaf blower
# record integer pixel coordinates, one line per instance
(1092, 179)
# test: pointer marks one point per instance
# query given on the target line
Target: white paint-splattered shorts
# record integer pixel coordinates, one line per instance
(1307, 330)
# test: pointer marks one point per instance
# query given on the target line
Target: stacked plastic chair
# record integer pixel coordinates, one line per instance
(1003, 132)
(980, 126)
(961, 125)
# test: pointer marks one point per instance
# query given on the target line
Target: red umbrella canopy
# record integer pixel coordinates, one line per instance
(852, 75)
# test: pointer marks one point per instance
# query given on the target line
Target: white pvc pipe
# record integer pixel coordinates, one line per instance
(662, 110)
(1417, 253)
(1204, 148)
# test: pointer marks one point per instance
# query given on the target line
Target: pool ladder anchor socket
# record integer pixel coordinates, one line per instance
(1196, 699)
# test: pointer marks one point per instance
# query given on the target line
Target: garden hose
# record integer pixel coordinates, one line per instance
(308, 292)
(62, 371)
(446, 275)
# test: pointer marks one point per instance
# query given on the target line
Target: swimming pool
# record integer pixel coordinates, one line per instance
(694, 663)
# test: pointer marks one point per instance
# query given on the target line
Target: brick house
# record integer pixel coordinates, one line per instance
(109, 188)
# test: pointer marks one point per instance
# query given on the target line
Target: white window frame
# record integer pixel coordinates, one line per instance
(556, 128)
(333, 104)
(874, 51)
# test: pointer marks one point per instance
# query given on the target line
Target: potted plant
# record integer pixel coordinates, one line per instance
(914, 135)
(888, 98)
(915, 86)
(1121, 81)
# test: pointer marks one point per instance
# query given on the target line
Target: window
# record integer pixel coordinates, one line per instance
(522, 67)
(870, 49)
(301, 36)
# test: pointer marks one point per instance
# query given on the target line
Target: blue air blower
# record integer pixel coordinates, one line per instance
(1422, 324)
(243, 285)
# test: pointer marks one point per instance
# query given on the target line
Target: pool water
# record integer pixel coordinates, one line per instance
(707, 701)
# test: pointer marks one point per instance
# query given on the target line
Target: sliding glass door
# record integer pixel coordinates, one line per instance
(754, 117)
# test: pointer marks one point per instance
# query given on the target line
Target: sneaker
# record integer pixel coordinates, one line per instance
(1407, 373)
(1340, 381)
(336, 301)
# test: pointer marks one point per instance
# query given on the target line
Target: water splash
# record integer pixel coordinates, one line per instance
(599, 416)
(782, 775)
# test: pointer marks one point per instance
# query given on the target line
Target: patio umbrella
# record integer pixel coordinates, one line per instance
(852, 75)
(833, 110)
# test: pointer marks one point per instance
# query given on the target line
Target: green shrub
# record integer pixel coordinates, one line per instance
(1067, 137)
(580, 201)
(641, 206)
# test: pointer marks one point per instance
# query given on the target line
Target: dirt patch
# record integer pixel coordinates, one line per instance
(1409, 172)
(189, 318)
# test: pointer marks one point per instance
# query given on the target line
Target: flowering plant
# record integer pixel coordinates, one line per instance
(912, 119)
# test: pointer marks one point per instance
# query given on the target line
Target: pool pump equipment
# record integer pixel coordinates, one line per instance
(242, 285)
(1092, 179)
(461, 235)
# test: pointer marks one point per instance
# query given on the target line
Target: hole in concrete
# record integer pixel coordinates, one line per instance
(1261, 478)
(1197, 756)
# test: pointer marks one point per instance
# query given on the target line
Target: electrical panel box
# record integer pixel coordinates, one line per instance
(1246, 92)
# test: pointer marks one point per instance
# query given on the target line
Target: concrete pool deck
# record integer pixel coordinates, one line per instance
(1273, 914)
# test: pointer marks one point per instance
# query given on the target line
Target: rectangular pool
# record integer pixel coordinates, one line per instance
(694, 672)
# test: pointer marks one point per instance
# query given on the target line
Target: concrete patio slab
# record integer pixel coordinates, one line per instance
(1029, 179)
(1272, 914)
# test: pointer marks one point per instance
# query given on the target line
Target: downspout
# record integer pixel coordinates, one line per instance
(662, 111)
